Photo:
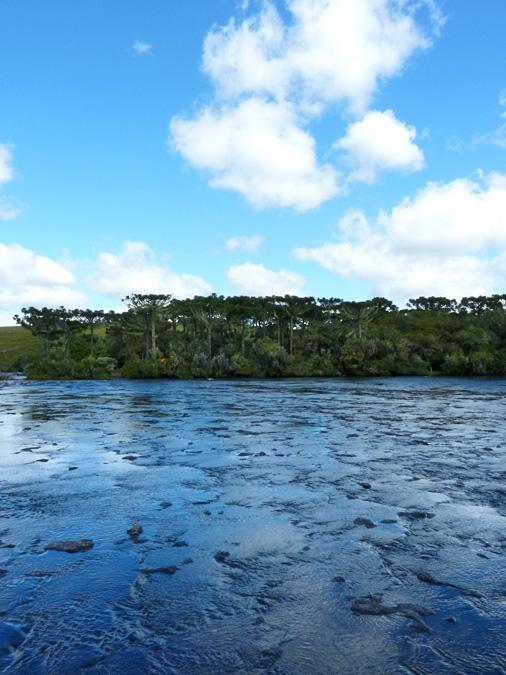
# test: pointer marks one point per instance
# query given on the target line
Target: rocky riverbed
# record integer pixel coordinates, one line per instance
(292, 527)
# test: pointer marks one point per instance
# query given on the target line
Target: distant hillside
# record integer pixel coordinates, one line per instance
(16, 344)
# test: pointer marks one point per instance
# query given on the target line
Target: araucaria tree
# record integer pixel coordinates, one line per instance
(275, 336)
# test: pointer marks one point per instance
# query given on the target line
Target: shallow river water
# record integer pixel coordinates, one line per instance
(316, 526)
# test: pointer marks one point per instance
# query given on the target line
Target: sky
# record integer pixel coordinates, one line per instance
(309, 147)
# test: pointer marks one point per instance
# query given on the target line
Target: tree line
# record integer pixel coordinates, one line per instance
(277, 336)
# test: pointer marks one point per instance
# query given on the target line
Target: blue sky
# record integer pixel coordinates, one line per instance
(315, 147)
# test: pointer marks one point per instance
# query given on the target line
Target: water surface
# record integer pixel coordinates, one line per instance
(272, 474)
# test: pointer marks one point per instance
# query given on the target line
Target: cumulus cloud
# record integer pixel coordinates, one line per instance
(252, 279)
(379, 142)
(135, 270)
(141, 48)
(327, 50)
(244, 243)
(273, 75)
(27, 278)
(450, 239)
(257, 149)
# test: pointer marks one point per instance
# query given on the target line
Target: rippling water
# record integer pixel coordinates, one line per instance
(274, 475)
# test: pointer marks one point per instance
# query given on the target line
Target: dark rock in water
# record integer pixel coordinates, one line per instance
(352, 496)
(3, 544)
(188, 561)
(451, 619)
(43, 459)
(389, 521)
(39, 575)
(260, 454)
(366, 486)
(159, 570)
(165, 504)
(135, 530)
(3, 573)
(179, 544)
(417, 623)
(419, 609)
(130, 457)
(428, 578)
(271, 655)
(366, 522)
(72, 468)
(221, 556)
(339, 579)
(416, 515)
(70, 546)
(11, 637)
(372, 605)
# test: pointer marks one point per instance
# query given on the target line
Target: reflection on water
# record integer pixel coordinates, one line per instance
(314, 527)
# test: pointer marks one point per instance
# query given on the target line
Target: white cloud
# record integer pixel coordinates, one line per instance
(450, 239)
(273, 75)
(141, 48)
(135, 270)
(498, 136)
(252, 279)
(328, 50)
(244, 243)
(5, 164)
(379, 142)
(258, 150)
(7, 210)
(27, 278)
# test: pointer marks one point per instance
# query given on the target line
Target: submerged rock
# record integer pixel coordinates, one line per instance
(11, 637)
(135, 531)
(366, 522)
(159, 570)
(428, 578)
(372, 605)
(70, 546)
(339, 579)
(221, 556)
(165, 504)
(416, 515)
(366, 486)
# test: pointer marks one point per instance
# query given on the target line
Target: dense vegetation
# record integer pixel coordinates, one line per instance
(215, 336)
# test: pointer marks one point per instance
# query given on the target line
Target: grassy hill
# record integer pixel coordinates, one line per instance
(16, 344)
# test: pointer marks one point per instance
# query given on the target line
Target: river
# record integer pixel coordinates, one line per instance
(292, 526)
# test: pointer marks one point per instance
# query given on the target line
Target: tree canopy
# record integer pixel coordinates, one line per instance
(275, 336)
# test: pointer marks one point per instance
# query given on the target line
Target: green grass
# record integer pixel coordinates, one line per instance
(16, 344)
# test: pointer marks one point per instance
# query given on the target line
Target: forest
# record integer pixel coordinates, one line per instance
(158, 336)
